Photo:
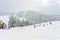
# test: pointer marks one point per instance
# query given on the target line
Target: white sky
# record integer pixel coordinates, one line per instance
(44, 6)
(58, 2)
(17, 5)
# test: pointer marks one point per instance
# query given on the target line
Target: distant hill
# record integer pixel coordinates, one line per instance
(5, 13)
(35, 16)
(25, 18)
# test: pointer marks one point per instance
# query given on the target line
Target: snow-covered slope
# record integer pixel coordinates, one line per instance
(47, 32)
(5, 19)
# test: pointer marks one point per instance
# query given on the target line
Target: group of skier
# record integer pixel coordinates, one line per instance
(43, 24)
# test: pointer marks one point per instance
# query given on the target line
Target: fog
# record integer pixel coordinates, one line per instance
(50, 7)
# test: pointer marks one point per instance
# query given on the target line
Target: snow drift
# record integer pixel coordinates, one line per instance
(5, 19)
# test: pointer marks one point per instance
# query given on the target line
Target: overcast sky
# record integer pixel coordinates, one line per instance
(44, 6)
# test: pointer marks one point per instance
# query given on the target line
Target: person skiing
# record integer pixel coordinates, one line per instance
(50, 23)
(43, 24)
(34, 26)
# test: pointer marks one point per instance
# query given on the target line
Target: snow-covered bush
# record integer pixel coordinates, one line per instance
(16, 22)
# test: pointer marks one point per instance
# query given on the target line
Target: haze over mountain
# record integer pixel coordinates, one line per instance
(37, 14)
(50, 7)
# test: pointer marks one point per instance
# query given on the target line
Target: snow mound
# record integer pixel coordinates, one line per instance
(5, 19)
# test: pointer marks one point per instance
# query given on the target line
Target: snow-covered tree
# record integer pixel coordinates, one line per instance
(15, 22)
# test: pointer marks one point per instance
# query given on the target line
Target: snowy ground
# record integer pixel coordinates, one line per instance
(47, 32)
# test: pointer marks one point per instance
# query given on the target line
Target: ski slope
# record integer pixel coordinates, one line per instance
(47, 32)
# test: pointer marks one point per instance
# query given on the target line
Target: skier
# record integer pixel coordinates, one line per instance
(34, 26)
(50, 23)
(43, 24)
